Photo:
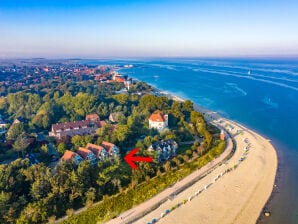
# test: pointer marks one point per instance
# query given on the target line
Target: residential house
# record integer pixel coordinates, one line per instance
(99, 151)
(111, 149)
(165, 149)
(84, 127)
(158, 121)
(19, 120)
(3, 126)
(70, 156)
(92, 117)
(87, 154)
(91, 152)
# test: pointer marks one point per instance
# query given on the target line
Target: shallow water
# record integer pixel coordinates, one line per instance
(259, 93)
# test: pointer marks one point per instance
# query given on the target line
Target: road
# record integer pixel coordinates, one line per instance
(139, 210)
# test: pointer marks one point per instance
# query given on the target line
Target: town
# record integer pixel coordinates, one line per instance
(80, 121)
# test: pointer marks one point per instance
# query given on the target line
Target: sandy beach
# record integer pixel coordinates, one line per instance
(238, 196)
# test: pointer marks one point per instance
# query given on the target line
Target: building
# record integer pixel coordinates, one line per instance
(158, 121)
(98, 151)
(19, 120)
(3, 126)
(84, 127)
(70, 156)
(92, 117)
(222, 135)
(87, 154)
(91, 152)
(111, 149)
(165, 149)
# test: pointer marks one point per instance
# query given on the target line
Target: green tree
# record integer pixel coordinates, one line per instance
(90, 196)
(21, 144)
(122, 132)
(61, 148)
(15, 130)
(45, 149)
(80, 141)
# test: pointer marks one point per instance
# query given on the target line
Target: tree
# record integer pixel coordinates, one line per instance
(90, 196)
(33, 213)
(207, 139)
(148, 140)
(21, 144)
(79, 141)
(15, 130)
(140, 145)
(167, 166)
(61, 148)
(121, 98)
(4, 205)
(122, 132)
(44, 148)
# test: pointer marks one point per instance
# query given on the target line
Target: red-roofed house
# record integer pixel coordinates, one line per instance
(87, 154)
(84, 127)
(111, 149)
(92, 117)
(98, 151)
(158, 121)
(70, 156)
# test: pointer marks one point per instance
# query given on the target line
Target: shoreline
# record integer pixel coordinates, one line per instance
(210, 116)
(267, 205)
(262, 142)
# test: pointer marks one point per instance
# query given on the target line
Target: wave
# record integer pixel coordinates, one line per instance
(268, 101)
(248, 77)
(259, 75)
(237, 88)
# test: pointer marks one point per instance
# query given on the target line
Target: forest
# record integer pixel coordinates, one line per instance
(39, 193)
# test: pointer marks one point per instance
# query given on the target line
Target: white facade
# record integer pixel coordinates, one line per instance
(159, 124)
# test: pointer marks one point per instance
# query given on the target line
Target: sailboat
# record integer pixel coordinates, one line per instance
(248, 72)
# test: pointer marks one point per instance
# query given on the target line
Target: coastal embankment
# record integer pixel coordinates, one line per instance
(235, 197)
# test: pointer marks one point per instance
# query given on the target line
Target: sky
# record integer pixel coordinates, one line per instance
(148, 28)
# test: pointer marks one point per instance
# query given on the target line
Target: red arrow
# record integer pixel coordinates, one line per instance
(130, 159)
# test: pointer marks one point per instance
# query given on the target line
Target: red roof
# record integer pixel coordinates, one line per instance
(83, 152)
(68, 156)
(96, 149)
(75, 124)
(119, 79)
(92, 117)
(157, 117)
(108, 146)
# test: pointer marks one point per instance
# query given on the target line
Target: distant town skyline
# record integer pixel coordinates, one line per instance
(94, 29)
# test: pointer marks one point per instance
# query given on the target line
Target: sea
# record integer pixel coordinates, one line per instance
(260, 93)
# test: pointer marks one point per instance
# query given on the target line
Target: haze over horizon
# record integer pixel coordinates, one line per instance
(58, 29)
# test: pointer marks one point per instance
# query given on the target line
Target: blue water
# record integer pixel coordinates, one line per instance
(259, 93)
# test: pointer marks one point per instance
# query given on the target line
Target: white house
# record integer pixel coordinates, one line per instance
(158, 121)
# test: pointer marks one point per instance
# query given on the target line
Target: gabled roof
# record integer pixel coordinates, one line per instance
(19, 120)
(92, 117)
(157, 117)
(68, 156)
(96, 149)
(108, 146)
(83, 152)
(76, 124)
